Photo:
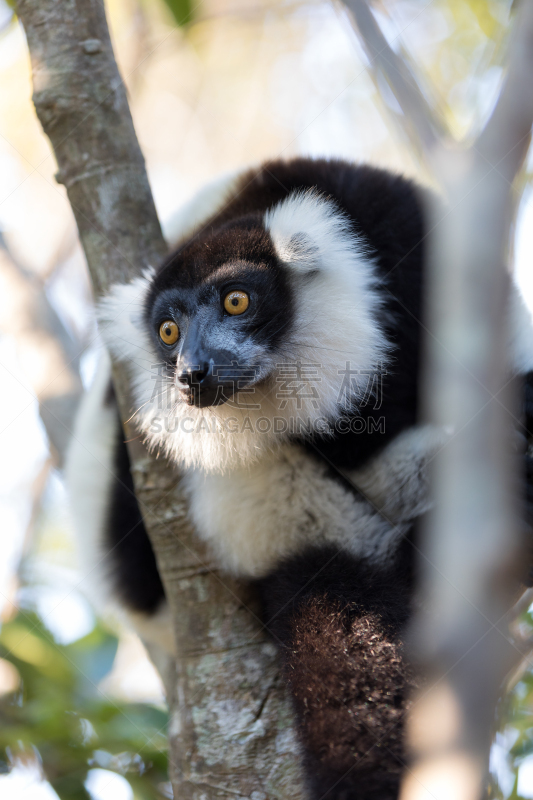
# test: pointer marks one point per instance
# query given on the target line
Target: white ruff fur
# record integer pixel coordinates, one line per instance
(335, 329)
(254, 517)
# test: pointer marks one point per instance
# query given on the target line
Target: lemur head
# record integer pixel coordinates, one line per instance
(247, 333)
(219, 312)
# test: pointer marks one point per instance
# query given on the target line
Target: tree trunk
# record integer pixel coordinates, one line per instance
(231, 729)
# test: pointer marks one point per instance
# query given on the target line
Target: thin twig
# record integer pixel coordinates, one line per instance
(424, 128)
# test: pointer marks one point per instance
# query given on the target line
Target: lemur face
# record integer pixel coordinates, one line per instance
(217, 311)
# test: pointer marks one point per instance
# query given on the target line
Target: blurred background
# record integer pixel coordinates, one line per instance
(213, 85)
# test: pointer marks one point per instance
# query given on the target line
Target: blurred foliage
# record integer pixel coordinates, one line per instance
(58, 716)
(515, 725)
(457, 49)
(482, 12)
(181, 10)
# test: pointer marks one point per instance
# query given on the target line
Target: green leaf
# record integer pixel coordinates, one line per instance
(59, 716)
(181, 10)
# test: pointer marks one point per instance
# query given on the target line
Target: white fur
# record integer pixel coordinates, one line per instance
(335, 329)
(396, 481)
(88, 475)
(337, 299)
(520, 332)
(89, 471)
(121, 326)
(255, 516)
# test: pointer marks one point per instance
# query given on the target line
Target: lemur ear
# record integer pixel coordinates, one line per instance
(297, 250)
(310, 233)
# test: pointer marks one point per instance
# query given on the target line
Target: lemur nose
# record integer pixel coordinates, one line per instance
(192, 376)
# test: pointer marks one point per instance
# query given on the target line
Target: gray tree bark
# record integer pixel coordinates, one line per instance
(231, 730)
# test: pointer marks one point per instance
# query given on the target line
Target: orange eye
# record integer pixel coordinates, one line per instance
(236, 303)
(169, 332)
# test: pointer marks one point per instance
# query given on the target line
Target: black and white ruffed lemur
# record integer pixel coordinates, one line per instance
(286, 329)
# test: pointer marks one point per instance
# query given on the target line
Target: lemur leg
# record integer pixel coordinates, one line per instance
(116, 556)
(396, 480)
(338, 623)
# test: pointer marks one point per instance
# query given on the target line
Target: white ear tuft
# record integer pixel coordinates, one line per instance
(337, 322)
(309, 232)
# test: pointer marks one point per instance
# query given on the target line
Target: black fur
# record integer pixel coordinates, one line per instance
(338, 622)
(131, 559)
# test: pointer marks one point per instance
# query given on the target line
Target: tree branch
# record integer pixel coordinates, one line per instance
(225, 663)
(471, 546)
(422, 126)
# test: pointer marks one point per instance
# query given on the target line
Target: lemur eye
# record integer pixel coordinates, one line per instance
(169, 332)
(236, 302)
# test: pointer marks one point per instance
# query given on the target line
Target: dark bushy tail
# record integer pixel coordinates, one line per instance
(338, 622)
